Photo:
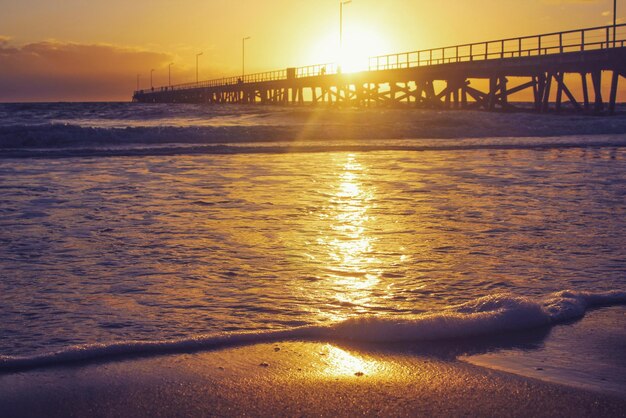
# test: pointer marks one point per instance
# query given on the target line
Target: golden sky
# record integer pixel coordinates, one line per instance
(93, 50)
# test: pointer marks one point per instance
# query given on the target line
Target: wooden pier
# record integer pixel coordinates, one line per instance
(469, 76)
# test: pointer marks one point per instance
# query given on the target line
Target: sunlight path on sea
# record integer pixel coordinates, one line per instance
(115, 249)
(352, 262)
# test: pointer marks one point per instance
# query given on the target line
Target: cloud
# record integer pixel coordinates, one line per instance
(65, 71)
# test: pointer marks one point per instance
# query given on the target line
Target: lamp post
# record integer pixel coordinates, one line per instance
(169, 74)
(614, 21)
(243, 56)
(341, 4)
(151, 84)
(197, 55)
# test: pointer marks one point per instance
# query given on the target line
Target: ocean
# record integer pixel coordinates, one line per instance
(131, 228)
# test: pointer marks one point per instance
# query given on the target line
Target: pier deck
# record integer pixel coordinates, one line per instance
(468, 76)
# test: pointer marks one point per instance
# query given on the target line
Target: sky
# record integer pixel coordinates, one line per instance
(77, 50)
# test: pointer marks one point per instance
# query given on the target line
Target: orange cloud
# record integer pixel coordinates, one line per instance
(65, 71)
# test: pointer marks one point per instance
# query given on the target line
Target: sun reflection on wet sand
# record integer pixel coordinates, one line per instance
(340, 362)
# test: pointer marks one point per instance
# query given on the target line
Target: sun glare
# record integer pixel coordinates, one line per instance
(359, 43)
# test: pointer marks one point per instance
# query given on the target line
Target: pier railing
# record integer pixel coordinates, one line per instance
(299, 72)
(602, 37)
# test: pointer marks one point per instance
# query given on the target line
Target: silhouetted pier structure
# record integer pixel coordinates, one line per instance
(468, 76)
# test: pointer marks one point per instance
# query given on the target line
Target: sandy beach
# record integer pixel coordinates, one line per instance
(312, 209)
(292, 379)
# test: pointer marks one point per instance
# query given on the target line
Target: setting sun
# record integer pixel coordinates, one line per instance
(359, 43)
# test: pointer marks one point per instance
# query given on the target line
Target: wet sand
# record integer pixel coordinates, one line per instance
(588, 354)
(291, 379)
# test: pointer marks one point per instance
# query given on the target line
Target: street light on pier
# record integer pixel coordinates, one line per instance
(197, 55)
(243, 57)
(614, 21)
(341, 4)
(169, 74)
(151, 84)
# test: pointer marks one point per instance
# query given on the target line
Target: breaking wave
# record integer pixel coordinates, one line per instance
(484, 316)
(64, 141)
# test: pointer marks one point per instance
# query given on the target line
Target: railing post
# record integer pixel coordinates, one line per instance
(582, 40)
(502, 49)
(539, 46)
(471, 52)
(561, 43)
(486, 50)
(519, 47)
(607, 37)
(457, 53)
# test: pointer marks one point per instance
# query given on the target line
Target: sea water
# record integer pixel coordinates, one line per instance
(131, 228)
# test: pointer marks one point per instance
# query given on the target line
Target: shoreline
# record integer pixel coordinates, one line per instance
(587, 354)
(288, 379)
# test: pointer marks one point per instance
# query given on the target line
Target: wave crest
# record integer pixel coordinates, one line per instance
(66, 140)
(483, 316)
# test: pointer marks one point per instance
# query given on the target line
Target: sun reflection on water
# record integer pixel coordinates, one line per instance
(352, 265)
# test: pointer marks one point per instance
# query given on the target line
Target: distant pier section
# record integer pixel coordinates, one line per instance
(470, 76)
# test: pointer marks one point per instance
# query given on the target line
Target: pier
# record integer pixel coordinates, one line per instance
(480, 75)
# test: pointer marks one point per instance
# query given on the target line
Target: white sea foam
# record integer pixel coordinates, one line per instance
(484, 316)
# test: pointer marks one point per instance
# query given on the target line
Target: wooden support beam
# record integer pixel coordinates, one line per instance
(407, 93)
(392, 91)
(558, 77)
(464, 96)
(583, 77)
(613, 97)
(503, 93)
(419, 89)
(568, 93)
(545, 101)
(596, 79)
(365, 95)
(518, 88)
(479, 97)
(431, 99)
(442, 94)
(476, 94)
(493, 88)
(403, 93)
(538, 90)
